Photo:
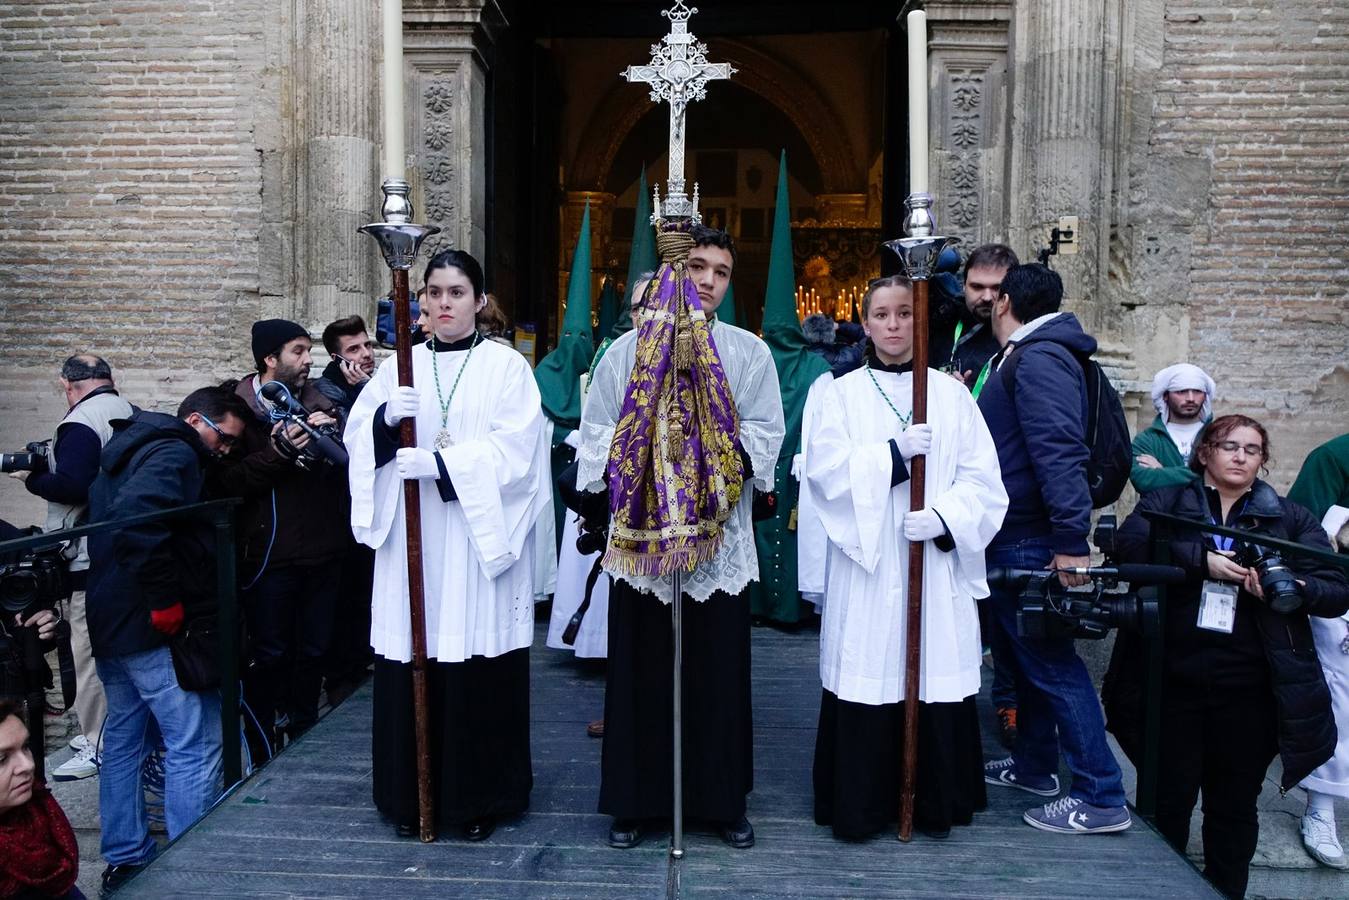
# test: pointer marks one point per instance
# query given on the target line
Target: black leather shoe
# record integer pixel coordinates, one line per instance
(625, 833)
(739, 835)
(116, 876)
(406, 830)
(480, 829)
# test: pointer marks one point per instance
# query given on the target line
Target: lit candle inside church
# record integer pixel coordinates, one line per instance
(917, 24)
(394, 157)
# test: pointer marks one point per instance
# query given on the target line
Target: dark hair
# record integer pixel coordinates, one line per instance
(1216, 432)
(215, 403)
(707, 236)
(461, 260)
(350, 326)
(1035, 290)
(86, 367)
(899, 281)
(993, 256)
(491, 319)
(11, 708)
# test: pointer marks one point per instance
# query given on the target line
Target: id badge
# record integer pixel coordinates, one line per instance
(1218, 606)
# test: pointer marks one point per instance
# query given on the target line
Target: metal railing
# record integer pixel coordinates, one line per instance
(219, 514)
(1164, 526)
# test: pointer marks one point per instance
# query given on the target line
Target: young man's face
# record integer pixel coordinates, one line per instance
(981, 289)
(290, 365)
(710, 270)
(358, 350)
(1185, 406)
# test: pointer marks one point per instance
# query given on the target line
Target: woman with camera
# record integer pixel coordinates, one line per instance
(38, 853)
(1242, 681)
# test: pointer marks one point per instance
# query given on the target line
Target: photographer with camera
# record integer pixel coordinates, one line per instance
(60, 472)
(151, 588)
(1242, 680)
(292, 475)
(1037, 406)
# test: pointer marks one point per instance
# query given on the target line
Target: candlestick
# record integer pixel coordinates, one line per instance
(917, 24)
(395, 160)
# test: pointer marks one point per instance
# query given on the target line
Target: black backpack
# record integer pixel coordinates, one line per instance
(1107, 430)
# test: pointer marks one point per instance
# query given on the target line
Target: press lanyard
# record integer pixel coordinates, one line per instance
(1224, 542)
(983, 376)
(955, 342)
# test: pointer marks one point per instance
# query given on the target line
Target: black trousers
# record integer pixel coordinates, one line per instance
(636, 771)
(351, 655)
(1221, 742)
(290, 613)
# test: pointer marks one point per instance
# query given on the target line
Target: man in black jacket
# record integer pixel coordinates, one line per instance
(962, 338)
(1039, 426)
(145, 581)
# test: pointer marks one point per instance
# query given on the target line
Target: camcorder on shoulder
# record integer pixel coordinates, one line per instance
(32, 459)
(1048, 610)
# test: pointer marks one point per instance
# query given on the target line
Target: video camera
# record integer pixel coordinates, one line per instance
(1046, 609)
(324, 445)
(32, 459)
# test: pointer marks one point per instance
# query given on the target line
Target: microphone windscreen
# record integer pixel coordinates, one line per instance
(1145, 574)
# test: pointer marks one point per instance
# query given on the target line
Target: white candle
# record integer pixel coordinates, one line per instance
(395, 163)
(917, 22)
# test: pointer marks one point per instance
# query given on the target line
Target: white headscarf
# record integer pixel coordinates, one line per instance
(1182, 377)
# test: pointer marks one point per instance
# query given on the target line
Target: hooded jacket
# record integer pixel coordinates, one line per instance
(153, 462)
(1206, 661)
(1156, 442)
(1041, 438)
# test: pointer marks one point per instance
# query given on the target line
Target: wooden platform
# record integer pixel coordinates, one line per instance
(305, 827)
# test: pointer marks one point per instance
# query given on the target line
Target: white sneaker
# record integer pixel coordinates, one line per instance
(81, 765)
(1318, 836)
(78, 743)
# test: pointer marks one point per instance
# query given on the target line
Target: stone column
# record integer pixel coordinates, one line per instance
(1058, 114)
(447, 45)
(340, 272)
(969, 115)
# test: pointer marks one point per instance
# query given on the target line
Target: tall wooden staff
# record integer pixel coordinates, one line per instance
(399, 240)
(918, 251)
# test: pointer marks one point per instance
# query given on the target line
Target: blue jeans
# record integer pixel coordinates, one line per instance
(141, 688)
(1056, 701)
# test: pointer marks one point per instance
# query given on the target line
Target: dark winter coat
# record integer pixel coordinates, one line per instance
(1197, 659)
(333, 385)
(153, 462)
(1041, 438)
(312, 508)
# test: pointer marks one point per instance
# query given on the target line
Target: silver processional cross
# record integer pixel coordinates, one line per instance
(678, 75)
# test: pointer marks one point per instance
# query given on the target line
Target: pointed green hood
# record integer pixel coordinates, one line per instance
(558, 374)
(610, 308)
(641, 259)
(797, 366)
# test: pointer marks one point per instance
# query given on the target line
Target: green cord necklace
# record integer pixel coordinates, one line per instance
(443, 438)
(903, 420)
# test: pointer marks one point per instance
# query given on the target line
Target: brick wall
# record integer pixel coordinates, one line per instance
(130, 198)
(1260, 89)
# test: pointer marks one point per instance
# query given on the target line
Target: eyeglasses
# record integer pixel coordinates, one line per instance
(1233, 447)
(226, 440)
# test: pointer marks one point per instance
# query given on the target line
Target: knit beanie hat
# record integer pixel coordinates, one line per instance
(270, 335)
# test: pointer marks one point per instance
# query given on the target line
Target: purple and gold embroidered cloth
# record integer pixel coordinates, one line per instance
(675, 472)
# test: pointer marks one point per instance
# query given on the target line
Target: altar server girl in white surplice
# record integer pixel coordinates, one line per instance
(857, 457)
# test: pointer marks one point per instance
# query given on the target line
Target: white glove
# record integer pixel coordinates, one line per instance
(923, 525)
(915, 441)
(402, 405)
(414, 463)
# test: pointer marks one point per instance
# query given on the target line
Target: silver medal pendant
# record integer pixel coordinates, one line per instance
(443, 439)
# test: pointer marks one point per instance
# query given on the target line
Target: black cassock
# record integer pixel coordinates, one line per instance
(636, 776)
(479, 712)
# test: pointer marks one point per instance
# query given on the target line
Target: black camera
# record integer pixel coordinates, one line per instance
(32, 459)
(37, 580)
(325, 441)
(1277, 581)
(1047, 610)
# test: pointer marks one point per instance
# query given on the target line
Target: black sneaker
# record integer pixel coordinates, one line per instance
(116, 876)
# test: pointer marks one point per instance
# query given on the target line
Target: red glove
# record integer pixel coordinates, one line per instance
(167, 621)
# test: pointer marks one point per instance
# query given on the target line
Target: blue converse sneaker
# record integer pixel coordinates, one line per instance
(1003, 772)
(1069, 815)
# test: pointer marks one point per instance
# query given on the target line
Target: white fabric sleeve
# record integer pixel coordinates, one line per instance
(759, 403)
(374, 493)
(599, 417)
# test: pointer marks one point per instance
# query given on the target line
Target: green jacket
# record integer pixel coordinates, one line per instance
(1156, 442)
(1324, 479)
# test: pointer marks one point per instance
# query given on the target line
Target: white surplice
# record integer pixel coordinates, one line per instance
(754, 386)
(812, 544)
(848, 466)
(477, 551)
